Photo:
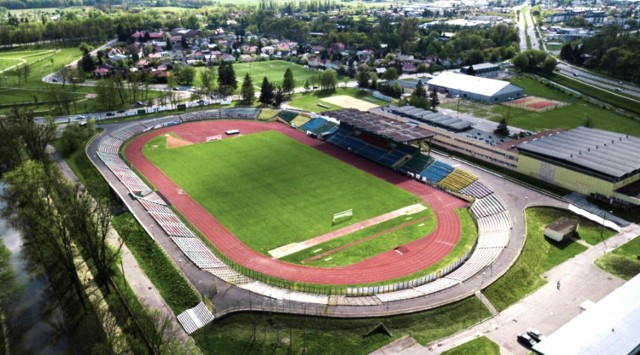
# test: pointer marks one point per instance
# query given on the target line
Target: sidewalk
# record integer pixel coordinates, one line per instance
(549, 308)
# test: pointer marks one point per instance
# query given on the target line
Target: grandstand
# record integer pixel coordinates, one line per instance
(287, 116)
(457, 180)
(435, 172)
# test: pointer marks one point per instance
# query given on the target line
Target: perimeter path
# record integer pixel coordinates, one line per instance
(292, 248)
(420, 254)
(229, 298)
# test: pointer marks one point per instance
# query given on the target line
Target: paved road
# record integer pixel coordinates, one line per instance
(521, 29)
(531, 28)
(614, 86)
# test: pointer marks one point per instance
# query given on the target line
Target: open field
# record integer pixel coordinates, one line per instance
(272, 69)
(623, 262)
(357, 246)
(311, 101)
(538, 255)
(351, 102)
(315, 335)
(272, 201)
(570, 116)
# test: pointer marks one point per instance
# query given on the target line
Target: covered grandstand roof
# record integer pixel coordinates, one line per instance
(611, 326)
(380, 125)
(612, 154)
(472, 84)
(436, 118)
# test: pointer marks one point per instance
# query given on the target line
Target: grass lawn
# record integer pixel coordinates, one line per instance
(282, 190)
(233, 334)
(538, 255)
(309, 101)
(567, 117)
(366, 249)
(481, 345)
(623, 262)
(272, 69)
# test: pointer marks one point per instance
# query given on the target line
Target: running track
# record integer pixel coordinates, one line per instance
(421, 254)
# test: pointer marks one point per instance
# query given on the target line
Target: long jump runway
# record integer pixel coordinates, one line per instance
(417, 255)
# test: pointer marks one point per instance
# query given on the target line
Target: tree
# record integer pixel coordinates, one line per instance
(227, 83)
(328, 80)
(588, 122)
(363, 79)
(87, 64)
(390, 74)
(549, 65)
(278, 97)
(306, 85)
(420, 90)
(208, 80)
(248, 93)
(503, 128)
(433, 100)
(9, 285)
(288, 84)
(266, 92)
(521, 61)
(184, 75)
(471, 71)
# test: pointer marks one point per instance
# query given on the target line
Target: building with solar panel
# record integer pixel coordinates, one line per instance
(586, 160)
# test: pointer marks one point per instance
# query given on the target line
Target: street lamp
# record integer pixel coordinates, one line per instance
(604, 219)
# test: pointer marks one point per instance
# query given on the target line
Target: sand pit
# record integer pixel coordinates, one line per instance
(175, 141)
(349, 102)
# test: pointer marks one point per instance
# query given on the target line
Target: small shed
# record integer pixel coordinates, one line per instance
(560, 228)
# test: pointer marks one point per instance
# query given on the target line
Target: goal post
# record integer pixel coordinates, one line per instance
(342, 216)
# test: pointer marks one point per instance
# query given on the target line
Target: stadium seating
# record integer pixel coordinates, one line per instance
(418, 163)
(476, 189)
(287, 116)
(457, 180)
(300, 121)
(436, 172)
(313, 124)
(195, 318)
(392, 157)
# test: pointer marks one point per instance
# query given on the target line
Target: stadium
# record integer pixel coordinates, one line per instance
(258, 209)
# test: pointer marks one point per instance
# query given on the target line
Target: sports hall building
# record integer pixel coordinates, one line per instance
(476, 88)
(586, 160)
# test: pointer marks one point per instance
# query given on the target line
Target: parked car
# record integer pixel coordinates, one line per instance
(122, 111)
(535, 334)
(81, 117)
(109, 114)
(526, 340)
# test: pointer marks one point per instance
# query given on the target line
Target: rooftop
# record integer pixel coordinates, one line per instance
(562, 223)
(380, 125)
(470, 83)
(611, 326)
(435, 118)
(611, 154)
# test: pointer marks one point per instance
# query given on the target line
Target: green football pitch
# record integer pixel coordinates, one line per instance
(271, 190)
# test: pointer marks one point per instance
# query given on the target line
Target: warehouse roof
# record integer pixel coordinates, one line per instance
(472, 84)
(380, 125)
(436, 118)
(611, 326)
(607, 153)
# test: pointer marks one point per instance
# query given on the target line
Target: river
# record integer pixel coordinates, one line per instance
(35, 324)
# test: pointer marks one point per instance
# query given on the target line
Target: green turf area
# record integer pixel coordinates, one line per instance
(624, 261)
(481, 345)
(272, 69)
(368, 248)
(309, 101)
(567, 117)
(538, 255)
(314, 335)
(271, 190)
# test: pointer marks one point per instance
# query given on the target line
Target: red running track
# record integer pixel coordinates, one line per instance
(418, 254)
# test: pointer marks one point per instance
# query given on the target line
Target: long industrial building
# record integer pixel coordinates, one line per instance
(586, 160)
